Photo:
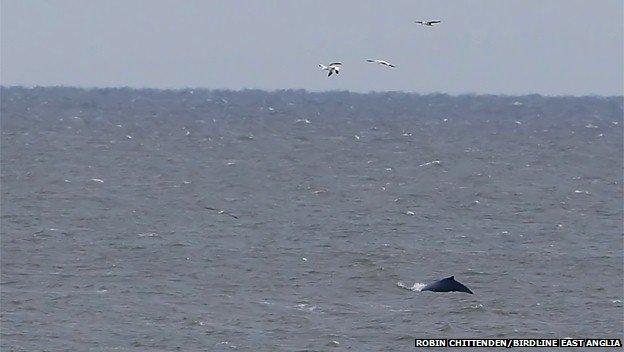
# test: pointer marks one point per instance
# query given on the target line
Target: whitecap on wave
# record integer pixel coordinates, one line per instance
(305, 307)
(416, 287)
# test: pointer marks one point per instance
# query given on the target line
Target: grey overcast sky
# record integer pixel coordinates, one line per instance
(549, 47)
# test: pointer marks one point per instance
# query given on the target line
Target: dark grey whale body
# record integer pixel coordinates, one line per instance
(447, 285)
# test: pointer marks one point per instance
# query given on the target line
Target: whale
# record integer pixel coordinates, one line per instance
(447, 285)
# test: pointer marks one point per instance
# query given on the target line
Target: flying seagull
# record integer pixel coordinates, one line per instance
(381, 62)
(222, 212)
(334, 67)
(428, 23)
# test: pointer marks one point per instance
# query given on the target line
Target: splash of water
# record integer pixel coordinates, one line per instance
(416, 287)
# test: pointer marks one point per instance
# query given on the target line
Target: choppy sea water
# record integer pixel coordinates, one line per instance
(187, 232)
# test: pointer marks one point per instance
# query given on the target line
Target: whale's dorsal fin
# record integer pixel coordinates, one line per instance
(448, 284)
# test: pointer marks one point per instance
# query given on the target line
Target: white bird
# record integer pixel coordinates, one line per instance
(381, 62)
(428, 23)
(334, 67)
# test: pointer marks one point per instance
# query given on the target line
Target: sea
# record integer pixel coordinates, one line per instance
(188, 220)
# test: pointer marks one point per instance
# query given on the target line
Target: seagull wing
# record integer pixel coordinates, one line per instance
(330, 73)
(220, 211)
(335, 64)
(434, 22)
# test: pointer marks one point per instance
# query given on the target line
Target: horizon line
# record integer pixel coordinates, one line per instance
(207, 89)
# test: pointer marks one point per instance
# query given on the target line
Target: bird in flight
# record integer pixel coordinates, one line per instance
(428, 23)
(381, 62)
(222, 212)
(334, 67)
